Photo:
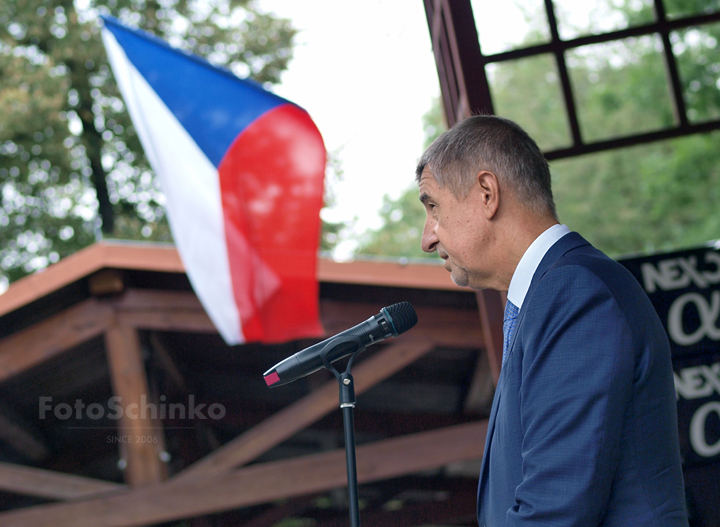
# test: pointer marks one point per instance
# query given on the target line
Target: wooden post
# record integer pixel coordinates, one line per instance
(492, 307)
(139, 430)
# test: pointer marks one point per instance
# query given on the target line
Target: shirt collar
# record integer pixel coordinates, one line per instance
(520, 282)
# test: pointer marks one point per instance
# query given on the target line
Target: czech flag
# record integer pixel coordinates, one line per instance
(242, 172)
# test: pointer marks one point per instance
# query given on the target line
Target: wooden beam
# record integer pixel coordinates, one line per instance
(482, 387)
(164, 258)
(306, 411)
(121, 255)
(157, 299)
(31, 346)
(163, 311)
(165, 361)
(106, 282)
(21, 435)
(442, 326)
(51, 485)
(171, 320)
(463, 84)
(261, 483)
(429, 275)
(139, 431)
(182, 311)
(492, 308)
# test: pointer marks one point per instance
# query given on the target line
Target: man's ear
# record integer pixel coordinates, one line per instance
(489, 191)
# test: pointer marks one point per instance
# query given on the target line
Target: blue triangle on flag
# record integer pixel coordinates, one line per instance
(213, 105)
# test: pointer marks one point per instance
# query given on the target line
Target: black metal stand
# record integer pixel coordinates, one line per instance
(347, 404)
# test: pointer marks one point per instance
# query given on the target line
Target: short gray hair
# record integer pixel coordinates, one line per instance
(495, 144)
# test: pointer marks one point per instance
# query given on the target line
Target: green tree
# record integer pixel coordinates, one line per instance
(70, 161)
(402, 222)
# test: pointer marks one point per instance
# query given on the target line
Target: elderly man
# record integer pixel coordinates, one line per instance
(583, 427)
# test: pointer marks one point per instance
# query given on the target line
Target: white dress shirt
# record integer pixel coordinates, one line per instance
(520, 282)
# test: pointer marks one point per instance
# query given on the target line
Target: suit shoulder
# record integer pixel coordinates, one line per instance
(587, 259)
(587, 269)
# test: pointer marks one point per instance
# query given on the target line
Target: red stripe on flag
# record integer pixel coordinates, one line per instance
(271, 182)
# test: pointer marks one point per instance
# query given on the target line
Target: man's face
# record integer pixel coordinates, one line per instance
(456, 229)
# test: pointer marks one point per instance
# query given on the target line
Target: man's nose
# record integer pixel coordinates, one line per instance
(429, 238)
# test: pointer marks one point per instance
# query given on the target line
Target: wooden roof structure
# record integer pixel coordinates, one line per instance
(119, 322)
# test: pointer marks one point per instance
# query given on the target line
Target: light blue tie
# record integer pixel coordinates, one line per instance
(511, 313)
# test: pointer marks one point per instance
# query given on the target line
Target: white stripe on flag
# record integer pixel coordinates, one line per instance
(191, 186)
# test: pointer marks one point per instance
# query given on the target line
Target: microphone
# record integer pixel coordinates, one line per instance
(390, 322)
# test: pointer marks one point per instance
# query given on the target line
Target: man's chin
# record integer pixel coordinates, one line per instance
(460, 278)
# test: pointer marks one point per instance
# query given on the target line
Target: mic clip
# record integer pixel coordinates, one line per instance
(347, 389)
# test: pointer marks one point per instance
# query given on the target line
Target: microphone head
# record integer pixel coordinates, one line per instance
(402, 316)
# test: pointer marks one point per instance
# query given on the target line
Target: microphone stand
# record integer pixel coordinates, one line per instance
(347, 404)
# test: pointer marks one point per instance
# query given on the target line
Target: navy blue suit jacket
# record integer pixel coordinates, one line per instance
(583, 428)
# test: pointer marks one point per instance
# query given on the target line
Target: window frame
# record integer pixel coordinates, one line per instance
(466, 91)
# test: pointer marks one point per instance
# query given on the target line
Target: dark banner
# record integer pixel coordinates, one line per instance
(684, 287)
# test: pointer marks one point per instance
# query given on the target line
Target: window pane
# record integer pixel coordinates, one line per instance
(528, 92)
(578, 18)
(509, 24)
(698, 60)
(620, 88)
(683, 8)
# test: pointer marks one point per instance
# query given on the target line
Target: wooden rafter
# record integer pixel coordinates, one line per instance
(261, 483)
(480, 394)
(163, 311)
(20, 437)
(54, 335)
(122, 311)
(165, 258)
(306, 411)
(442, 326)
(51, 485)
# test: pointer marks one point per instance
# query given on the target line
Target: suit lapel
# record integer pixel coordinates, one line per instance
(567, 243)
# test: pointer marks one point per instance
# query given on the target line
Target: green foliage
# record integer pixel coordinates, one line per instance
(528, 92)
(68, 152)
(698, 60)
(654, 197)
(402, 221)
(620, 88)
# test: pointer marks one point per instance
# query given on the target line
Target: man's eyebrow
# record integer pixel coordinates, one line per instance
(424, 197)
